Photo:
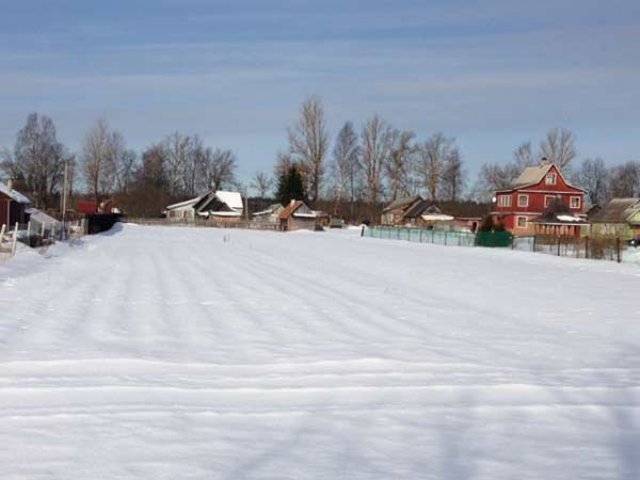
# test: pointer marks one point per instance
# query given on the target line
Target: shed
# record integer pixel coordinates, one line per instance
(298, 216)
(13, 205)
(618, 218)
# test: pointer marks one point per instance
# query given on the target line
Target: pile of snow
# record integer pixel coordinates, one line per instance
(159, 352)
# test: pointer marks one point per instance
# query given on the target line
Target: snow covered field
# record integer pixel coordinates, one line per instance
(181, 353)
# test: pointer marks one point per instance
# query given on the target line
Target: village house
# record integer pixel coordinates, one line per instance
(13, 205)
(298, 216)
(414, 211)
(619, 218)
(220, 206)
(533, 191)
(269, 215)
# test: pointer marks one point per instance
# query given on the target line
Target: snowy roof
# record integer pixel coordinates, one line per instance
(224, 214)
(40, 217)
(184, 203)
(233, 199)
(273, 209)
(531, 176)
(13, 194)
(436, 217)
(404, 202)
(618, 210)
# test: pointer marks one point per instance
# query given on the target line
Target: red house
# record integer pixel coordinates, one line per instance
(533, 191)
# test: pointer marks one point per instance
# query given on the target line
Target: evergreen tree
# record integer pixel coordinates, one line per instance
(290, 186)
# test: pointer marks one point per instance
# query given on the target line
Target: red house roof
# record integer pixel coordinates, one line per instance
(86, 207)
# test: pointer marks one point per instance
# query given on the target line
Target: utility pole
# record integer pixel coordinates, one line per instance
(64, 200)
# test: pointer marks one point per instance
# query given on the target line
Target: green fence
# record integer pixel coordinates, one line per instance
(494, 239)
(422, 235)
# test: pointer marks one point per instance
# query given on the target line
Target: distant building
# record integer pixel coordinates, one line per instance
(269, 214)
(221, 206)
(298, 216)
(619, 218)
(13, 205)
(532, 192)
(414, 211)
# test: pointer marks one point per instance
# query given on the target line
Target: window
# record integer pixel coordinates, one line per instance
(523, 200)
(575, 202)
(547, 200)
(550, 179)
(521, 222)
(504, 200)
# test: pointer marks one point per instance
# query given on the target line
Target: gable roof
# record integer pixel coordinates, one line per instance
(618, 210)
(403, 202)
(420, 208)
(273, 209)
(291, 209)
(533, 175)
(232, 199)
(14, 195)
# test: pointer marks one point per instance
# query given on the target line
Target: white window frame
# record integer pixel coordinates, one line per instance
(504, 200)
(525, 197)
(550, 179)
(526, 223)
(572, 198)
(548, 199)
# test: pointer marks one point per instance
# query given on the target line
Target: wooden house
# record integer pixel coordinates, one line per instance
(13, 205)
(619, 218)
(414, 211)
(298, 216)
(268, 215)
(533, 191)
(219, 206)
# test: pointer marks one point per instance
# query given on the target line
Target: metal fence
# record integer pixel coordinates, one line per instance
(244, 224)
(422, 235)
(597, 248)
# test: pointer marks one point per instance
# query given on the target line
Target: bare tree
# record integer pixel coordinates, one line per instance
(433, 155)
(625, 180)
(400, 166)
(37, 164)
(308, 143)
(218, 168)
(376, 149)
(453, 178)
(180, 154)
(594, 177)
(559, 147)
(262, 183)
(95, 158)
(345, 165)
(523, 156)
(284, 161)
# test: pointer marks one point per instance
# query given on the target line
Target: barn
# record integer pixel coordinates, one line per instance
(13, 205)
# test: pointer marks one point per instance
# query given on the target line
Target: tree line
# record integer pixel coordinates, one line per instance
(350, 176)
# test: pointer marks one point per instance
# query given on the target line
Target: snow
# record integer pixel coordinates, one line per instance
(570, 218)
(232, 199)
(14, 194)
(164, 352)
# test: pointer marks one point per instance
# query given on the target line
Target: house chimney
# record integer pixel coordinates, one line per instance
(544, 161)
(293, 201)
(10, 184)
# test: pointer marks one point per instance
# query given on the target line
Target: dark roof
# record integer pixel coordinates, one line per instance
(421, 207)
(290, 209)
(404, 202)
(617, 210)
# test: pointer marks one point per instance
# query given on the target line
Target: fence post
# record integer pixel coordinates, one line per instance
(558, 245)
(586, 246)
(433, 235)
(15, 240)
(362, 231)
(2, 230)
(618, 250)
(445, 237)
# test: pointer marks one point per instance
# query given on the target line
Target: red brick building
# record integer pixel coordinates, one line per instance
(532, 192)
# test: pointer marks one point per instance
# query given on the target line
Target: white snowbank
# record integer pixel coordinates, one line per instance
(163, 352)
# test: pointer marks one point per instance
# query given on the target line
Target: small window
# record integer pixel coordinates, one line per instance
(550, 179)
(523, 200)
(504, 200)
(575, 202)
(521, 222)
(547, 200)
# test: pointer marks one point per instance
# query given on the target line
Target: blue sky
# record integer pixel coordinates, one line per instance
(491, 73)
